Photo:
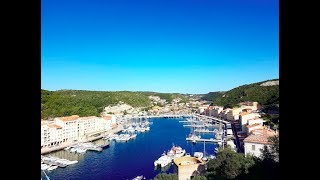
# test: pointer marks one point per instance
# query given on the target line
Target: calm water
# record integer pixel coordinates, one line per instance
(126, 160)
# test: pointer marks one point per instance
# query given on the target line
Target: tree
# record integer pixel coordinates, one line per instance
(267, 166)
(228, 165)
(199, 178)
(165, 176)
(275, 146)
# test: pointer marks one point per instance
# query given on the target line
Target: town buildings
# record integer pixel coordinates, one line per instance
(74, 128)
(256, 141)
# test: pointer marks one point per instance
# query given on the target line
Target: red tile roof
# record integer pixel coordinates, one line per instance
(107, 117)
(253, 125)
(69, 118)
(260, 136)
(244, 113)
(88, 117)
(54, 126)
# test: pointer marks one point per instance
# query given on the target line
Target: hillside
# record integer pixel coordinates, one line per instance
(265, 93)
(211, 96)
(87, 103)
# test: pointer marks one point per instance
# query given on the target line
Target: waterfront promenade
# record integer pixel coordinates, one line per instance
(66, 144)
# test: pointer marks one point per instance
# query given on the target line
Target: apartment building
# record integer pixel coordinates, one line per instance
(74, 128)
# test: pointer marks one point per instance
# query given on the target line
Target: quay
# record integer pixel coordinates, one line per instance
(67, 144)
(199, 126)
(204, 131)
(190, 121)
(204, 140)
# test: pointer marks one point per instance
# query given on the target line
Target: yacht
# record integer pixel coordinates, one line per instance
(176, 151)
(193, 138)
(81, 150)
(44, 166)
(52, 168)
(198, 155)
(163, 161)
(139, 178)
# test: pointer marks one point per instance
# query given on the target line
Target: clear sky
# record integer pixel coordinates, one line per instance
(185, 46)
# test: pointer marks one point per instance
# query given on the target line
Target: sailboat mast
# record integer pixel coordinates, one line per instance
(204, 148)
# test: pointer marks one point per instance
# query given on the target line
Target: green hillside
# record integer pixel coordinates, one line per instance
(87, 103)
(211, 96)
(265, 95)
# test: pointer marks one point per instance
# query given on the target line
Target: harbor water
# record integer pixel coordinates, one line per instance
(126, 160)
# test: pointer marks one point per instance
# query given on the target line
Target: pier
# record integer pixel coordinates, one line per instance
(204, 131)
(205, 140)
(199, 126)
(190, 121)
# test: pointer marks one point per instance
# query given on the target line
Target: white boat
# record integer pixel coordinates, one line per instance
(193, 138)
(133, 136)
(80, 150)
(139, 178)
(188, 155)
(212, 157)
(163, 161)
(73, 150)
(44, 166)
(52, 168)
(205, 159)
(176, 151)
(198, 155)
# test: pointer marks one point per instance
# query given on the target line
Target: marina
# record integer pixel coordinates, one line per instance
(132, 158)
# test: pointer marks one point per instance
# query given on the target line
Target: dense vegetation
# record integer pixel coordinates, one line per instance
(167, 96)
(232, 165)
(164, 176)
(211, 96)
(264, 95)
(92, 103)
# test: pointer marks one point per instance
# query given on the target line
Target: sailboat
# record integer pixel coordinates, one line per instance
(204, 152)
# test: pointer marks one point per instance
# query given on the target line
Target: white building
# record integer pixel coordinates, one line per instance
(232, 145)
(233, 114)
(255, 142)
(223, 113)
(202, 108)
(74, 128)
(249, 105)
(244, 117)
(252, 127)
(216, 111)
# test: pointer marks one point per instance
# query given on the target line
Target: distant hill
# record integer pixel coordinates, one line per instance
(265, 93)
(88, 103)
(211, 95)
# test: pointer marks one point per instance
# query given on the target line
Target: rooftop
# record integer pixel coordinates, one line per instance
(54, 126)
(185, 161)
(260, 136)
(253, 125)
(244, 113)
(69, 118)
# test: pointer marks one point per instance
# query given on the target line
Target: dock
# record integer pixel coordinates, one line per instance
(191, 121)
(204, 131)
(205, 140)
(199, 126)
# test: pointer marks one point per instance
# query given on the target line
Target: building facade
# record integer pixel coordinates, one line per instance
(73, 128)
(256, 141)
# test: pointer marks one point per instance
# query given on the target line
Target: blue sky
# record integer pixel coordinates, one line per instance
(185, 46)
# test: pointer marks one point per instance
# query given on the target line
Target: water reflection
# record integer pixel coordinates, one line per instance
(67, 155)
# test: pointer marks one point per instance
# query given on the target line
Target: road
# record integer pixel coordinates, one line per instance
(235, 133)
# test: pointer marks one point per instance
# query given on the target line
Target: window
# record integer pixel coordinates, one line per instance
(253, 147)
